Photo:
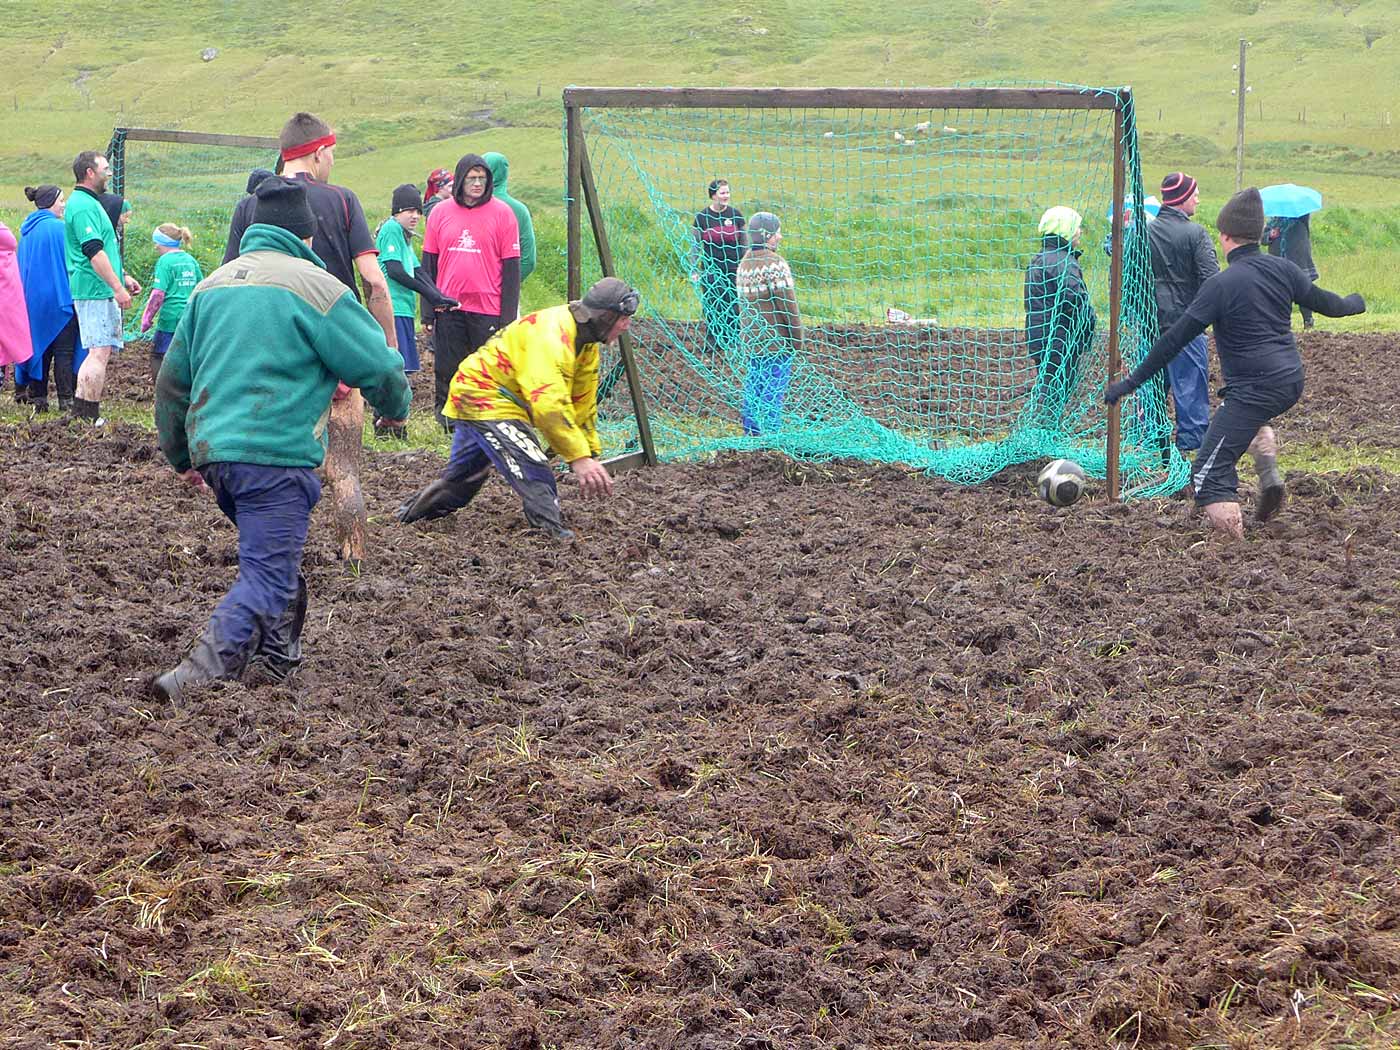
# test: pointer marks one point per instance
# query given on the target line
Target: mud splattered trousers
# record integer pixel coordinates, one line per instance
(272, 508)
(1244, 408)
(512, 448)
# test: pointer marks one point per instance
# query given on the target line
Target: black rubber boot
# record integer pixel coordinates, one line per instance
(156, 361)
(205, 664)
(279, 650)
(441, 498)
(1271, 490)
(39, 395)
(63, 379)
(87, 410)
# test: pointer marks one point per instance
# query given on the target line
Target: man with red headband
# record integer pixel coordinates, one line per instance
(343, 242)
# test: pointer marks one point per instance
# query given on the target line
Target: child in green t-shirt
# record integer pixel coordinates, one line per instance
(401, 268)
(177, 272)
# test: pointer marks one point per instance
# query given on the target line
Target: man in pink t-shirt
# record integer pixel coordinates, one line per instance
(471, 251)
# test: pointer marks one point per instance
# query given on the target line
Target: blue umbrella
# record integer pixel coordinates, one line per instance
(1287, 201)
(1150, 204)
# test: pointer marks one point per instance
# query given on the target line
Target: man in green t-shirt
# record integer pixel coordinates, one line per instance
(100, 290)
(406, 281)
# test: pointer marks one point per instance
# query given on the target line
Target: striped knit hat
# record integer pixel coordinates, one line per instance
(1177, 188)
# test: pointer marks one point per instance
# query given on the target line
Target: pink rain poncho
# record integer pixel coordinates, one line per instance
(14, 318)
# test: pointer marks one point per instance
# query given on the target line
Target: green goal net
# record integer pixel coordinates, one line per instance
(192, 179)
(908, 222)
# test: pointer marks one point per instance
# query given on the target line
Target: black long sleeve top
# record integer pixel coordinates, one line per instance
(1250, 304)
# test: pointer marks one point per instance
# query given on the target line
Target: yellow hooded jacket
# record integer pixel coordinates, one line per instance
(531, 370)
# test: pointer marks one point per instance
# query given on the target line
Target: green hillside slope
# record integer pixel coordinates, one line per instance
(411, 88)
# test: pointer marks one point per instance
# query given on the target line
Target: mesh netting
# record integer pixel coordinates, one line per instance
(908, 234)
(188, 184)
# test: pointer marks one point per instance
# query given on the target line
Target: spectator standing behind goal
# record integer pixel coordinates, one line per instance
(1060, 319)
(439, 189)
(240, 408)
(177, 273)
(472, 252)
(1183, 259)
(769, 324)
(539, 373)
(399, 262)
(718, 245)
(53, 326)
(1250, 305)
(525, 226)
(101, 291)
(1292, 239)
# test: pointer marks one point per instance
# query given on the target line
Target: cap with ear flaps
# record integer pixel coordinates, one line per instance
(612, 295)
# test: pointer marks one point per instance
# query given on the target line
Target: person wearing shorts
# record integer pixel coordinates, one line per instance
(100, 290)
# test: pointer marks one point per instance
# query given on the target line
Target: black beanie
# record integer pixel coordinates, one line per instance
(406, 198)
(42, 196)
(1242, 218)
(254, 177)
(282, 202)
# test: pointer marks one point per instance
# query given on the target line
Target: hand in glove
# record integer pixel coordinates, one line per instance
(1117, 390)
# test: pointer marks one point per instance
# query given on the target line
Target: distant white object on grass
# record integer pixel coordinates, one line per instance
(949, 131)
(899, 136)
(209, 54)
(828, 134)
(922, 127)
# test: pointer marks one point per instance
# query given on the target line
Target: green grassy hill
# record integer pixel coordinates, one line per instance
(411, 88)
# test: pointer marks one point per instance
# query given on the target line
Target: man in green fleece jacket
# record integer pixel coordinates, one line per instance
(499, 167)
(242, 402)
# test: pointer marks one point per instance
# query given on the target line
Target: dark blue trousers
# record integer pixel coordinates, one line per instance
(512, 448)
(1190, 384)
(272, 508)
(406, 329)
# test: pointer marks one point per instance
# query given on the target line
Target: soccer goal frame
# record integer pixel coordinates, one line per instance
(116, 149)
(582, 194)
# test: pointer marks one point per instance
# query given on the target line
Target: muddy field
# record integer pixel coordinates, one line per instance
(773, 756)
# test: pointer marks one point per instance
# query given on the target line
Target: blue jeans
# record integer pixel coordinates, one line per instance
(765, 386)
(1188, 374)
(272, 508)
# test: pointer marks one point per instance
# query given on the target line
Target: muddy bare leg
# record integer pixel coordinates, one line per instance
(345, 439)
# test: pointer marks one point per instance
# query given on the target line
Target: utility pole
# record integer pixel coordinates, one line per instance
(1240, 92)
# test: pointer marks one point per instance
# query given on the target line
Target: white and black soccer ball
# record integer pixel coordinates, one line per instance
(1061, 482)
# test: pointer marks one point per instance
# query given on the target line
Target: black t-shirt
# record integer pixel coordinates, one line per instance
(342, 233)
(720, 235)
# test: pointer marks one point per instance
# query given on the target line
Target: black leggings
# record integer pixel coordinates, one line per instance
(1244, 408)
(58, 361)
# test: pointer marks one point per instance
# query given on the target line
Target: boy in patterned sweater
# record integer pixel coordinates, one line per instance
(769, 324)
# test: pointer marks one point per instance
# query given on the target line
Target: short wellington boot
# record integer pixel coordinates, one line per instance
(440, 498)
(279, 651)
(205, 664)
(89, 411)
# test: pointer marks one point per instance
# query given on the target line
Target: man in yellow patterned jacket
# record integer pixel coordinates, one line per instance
(539, 373)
